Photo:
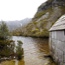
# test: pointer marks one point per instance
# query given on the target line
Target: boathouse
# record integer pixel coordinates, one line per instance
(57, 41)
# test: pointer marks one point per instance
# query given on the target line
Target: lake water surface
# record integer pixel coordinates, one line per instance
(34, 51)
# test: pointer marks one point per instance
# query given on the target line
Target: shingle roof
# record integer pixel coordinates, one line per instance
(59, 25)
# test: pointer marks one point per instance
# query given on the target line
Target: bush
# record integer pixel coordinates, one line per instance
(4, 32)
(19, 50)
(6, 44)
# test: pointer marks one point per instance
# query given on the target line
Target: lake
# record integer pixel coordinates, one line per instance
(34, 51)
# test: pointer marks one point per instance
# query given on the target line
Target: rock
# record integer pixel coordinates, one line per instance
(48, 13)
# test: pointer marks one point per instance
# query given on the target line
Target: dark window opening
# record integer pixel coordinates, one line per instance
(64, 31)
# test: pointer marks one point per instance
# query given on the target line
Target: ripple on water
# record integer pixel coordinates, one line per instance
(34, 51)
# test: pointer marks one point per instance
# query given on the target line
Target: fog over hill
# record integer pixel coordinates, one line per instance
(12, 25)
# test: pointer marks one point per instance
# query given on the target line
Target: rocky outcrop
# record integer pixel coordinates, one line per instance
(48, 13)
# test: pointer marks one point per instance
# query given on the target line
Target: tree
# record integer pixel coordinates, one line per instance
(6, 44)
(4, 32)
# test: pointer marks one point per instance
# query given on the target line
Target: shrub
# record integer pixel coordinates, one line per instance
(19, 50)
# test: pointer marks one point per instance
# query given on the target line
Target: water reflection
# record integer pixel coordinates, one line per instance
(42, 45)
(34, 51)
(16, 62)
(21, 62)
(13, 62)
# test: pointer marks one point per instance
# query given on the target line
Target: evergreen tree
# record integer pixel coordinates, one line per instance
(4, 32)
(6, 44)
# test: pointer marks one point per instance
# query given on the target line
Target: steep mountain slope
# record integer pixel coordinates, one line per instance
(48, 13)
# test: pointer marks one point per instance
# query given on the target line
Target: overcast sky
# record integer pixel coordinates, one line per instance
(18, 9)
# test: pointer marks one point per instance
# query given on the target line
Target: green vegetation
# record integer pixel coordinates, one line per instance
(6, 45)
(19, 50)
(48, 13)
(6, 48)
(4, 32)
(41, 13)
